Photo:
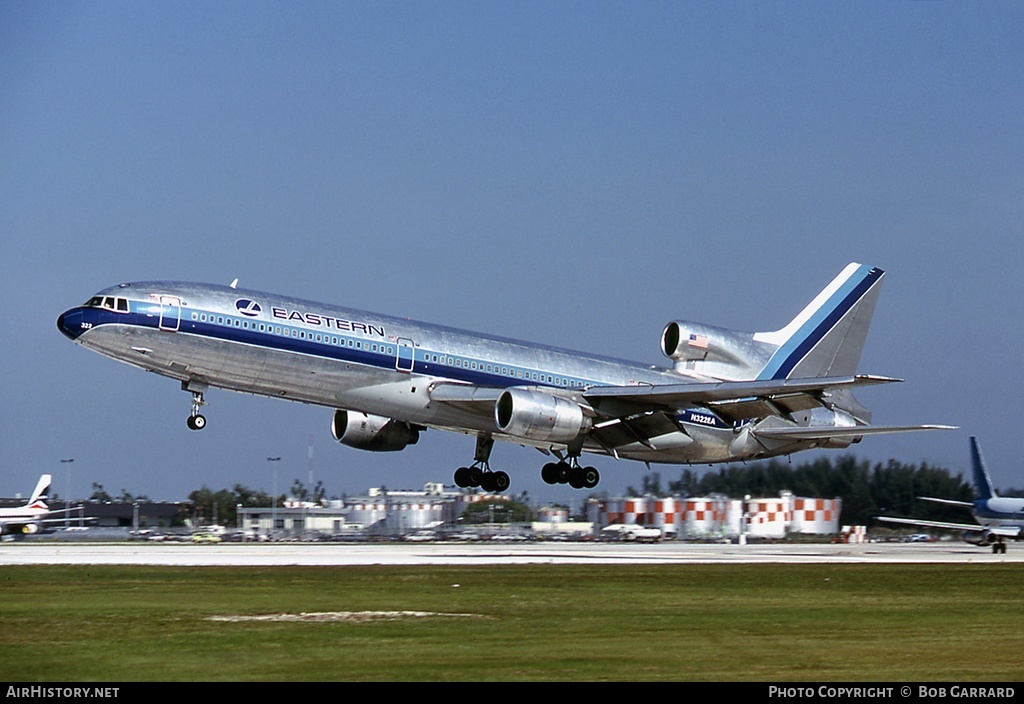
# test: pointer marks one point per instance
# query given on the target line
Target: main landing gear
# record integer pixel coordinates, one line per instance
(570, 472)
(479, 473)
(196, 420)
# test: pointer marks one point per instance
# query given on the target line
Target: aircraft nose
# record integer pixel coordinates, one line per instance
(70, 323)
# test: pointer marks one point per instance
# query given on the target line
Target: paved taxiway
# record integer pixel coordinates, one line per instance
(488, 553)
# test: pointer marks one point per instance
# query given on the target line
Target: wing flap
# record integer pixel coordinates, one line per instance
(634, 429)
(737, 399)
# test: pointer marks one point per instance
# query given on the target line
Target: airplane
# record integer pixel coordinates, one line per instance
(30, 518)
(998, 517)
(728, 396)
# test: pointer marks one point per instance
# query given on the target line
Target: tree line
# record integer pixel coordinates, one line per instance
(221, 506)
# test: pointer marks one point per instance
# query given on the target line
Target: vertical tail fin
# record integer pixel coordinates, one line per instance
(41, 490)
(982, 482)
(827, 337)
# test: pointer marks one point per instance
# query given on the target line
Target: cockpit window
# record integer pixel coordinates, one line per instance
(114, 303)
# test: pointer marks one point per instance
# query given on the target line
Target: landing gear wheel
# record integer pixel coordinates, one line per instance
(196, 420)
(576, 477)
(501, 481)
(571, 473)
(479, 473)
(487, 483)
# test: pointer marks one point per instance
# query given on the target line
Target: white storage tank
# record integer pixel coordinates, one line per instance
(553, 514)
(768, 518)
(703, 516)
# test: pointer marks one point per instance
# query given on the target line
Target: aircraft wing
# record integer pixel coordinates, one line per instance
(1005, 531)
(732, 399)
(644, 412)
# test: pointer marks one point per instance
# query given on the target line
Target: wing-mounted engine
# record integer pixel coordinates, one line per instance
(982, 539)
(534, 415)
(24, 528)
(373, 433)
(714, 351)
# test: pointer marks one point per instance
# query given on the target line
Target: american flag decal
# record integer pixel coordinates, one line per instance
(699, 341)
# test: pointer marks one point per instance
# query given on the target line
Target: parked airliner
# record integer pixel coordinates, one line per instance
(31, 517)
(728, 395)
(998, 517)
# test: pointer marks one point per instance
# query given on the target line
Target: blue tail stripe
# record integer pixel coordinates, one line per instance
(982, 484)
(824, 319)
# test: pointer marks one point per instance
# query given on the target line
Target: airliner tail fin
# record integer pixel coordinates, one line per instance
(827, 337)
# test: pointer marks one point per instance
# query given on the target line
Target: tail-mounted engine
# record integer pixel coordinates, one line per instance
(714, 350)
(694, 342)
(538, 416)
(373, 433)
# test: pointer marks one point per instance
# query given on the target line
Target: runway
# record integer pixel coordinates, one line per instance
(491, 553)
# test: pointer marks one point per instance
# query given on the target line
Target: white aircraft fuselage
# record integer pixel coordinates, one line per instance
(999, 518)
(30, 517)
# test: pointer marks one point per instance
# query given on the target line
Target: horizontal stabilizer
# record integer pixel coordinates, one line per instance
(1005, 531)
(948, 502)
(825, 432)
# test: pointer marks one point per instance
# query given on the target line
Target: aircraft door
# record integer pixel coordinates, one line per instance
(170, 313)
(406, 354)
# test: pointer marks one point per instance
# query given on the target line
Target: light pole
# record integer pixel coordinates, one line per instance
(273, 497)
(67, 486)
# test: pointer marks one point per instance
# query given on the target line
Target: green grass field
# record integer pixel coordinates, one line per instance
(555, 622)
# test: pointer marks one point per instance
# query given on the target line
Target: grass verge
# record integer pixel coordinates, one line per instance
(538, 623)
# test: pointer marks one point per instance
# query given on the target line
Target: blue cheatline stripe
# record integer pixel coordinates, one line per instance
(144, 315)
(820, 323)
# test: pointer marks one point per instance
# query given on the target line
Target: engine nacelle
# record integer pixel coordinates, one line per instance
(373, 433)
(30, 528)
(695, 342)
(538, 416)
(982, 539)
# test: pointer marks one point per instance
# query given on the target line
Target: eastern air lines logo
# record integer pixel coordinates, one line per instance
(247, 307)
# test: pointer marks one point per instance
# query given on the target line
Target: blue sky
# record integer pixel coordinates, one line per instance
(574, 173)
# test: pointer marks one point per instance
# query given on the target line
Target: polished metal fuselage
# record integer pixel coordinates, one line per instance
(281, 347)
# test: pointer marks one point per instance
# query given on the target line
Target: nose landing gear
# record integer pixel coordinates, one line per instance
(196, 420)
